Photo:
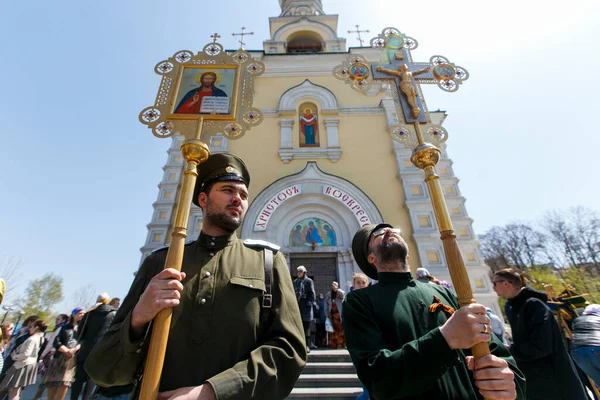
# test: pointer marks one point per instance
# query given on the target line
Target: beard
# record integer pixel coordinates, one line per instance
(389, 252)
(221, 219)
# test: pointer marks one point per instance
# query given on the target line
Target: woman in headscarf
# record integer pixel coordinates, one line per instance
(61, 373)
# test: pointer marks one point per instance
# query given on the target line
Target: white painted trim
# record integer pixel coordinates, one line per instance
(308, 91)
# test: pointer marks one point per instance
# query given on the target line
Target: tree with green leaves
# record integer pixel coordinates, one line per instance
(42, 295)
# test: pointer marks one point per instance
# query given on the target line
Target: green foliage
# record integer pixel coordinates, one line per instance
(42, 295)
(583, 281)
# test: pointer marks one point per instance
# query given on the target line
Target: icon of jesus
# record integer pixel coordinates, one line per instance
(191, 102)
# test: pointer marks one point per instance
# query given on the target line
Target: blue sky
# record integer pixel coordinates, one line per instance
(80, 173)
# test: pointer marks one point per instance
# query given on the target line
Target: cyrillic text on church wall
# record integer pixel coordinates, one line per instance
(357, 209)
(269, 208)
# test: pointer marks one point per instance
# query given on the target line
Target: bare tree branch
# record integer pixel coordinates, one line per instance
(84, 297)
(11, 269)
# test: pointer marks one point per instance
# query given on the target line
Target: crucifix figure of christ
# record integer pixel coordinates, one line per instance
(406, 74)
(406, 84)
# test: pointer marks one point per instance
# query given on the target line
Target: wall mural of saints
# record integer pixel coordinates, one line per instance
(205, 91)
(309, 125)
(311, 230)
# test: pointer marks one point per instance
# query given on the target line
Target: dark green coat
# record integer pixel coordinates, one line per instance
(216, 332)
(398, 349)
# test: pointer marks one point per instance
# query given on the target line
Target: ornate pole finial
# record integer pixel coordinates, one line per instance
(215, 37)
(358, 31)
(242, 34)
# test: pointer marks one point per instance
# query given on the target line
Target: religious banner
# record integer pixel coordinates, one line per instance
(211, 86)
(269, 208)
(357, 209)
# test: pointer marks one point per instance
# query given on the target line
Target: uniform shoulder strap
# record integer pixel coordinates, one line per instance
(261, 244)
(267, 301)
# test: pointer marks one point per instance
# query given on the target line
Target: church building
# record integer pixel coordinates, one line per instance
(323, 162)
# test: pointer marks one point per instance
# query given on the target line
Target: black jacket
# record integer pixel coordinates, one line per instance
(540, 351)
(305, 293)
(92, 327)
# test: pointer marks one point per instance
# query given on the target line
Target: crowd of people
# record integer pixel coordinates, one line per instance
(247, 327)
(57, 356)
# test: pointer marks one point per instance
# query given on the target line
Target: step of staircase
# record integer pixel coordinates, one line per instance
(329, 368)
(327, 380)
(344, 393)
(329, 374)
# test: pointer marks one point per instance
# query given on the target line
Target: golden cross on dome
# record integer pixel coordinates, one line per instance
(215, 37)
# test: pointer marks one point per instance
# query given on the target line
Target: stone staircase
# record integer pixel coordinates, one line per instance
(329, 374)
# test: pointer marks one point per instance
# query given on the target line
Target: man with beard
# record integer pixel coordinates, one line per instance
(410, 340)
(236, 331)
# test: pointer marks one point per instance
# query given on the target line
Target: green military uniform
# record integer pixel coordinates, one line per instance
(398, 349)
(395, 341)
(217, 334)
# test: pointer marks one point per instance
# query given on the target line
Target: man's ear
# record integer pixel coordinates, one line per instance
(371, 258)
(407, 257)
(202, 197)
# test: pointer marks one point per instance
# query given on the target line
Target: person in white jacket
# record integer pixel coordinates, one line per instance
(24, 370)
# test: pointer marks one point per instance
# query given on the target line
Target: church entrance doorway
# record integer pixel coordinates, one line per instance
(321, 268)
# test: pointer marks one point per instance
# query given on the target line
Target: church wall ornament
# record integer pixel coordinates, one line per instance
(296, 101)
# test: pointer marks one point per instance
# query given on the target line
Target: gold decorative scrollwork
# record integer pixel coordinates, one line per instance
(164, 67)
(234, 131)
(253, 117)
(402, 134)
(437, 133)
(448, 75)
(356, 72)
(163, 130)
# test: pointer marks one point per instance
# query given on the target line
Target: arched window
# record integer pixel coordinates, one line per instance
(304, 43)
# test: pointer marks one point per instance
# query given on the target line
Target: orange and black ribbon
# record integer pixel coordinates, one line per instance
(437, 303)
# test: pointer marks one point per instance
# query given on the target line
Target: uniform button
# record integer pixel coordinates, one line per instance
(250, 286)
(212, 254)
(138, 351)
(202, 301)
(212, 243)
(207, 274)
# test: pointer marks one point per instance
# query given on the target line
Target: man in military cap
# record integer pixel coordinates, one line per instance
(408, 339)
(236, 331)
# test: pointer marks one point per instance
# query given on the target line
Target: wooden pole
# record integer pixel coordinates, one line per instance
(195, 152)
(425, 156)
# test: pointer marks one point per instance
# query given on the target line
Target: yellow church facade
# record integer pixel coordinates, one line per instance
(323, 163)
